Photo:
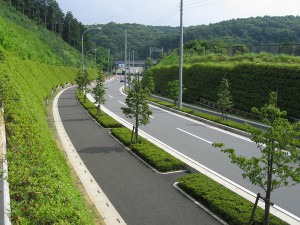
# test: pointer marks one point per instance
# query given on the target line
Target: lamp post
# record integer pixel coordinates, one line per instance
(87, 56)
(82, 57)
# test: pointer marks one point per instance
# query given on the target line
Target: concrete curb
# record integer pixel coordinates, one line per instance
(102, 203)
(6, 196)
(175, 185)
(196, 167)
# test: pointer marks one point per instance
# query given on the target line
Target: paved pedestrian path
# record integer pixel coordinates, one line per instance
(140, 195)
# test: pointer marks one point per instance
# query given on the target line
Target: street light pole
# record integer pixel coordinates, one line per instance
(82, 57)
(180, 58)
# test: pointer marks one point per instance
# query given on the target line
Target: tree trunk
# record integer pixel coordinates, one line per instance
(84, 98)
(268, 191)
(136, 132)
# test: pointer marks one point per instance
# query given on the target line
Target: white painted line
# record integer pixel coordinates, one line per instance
(247, 194)
(102, 203)
(151, 117)
(110, 96)
(204, 124)
(122, 103)
(202, 139)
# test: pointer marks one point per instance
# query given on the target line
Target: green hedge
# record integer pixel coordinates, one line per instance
(155, 156)
(101, 117)
(250, 83)
(229, 206)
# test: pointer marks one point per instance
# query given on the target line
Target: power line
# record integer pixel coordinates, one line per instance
(125, 11)
(196, 4)
(173, 11)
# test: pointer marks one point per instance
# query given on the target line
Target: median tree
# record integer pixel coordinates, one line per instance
(137, 106)
(278, 164)
(83, 81)
(173, 90)
(224, 101)
(99, 91)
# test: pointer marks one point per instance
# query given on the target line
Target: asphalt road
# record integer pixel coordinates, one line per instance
(194, 139)
(140, 195)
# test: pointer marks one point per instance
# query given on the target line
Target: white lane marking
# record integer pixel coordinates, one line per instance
(122, 103)
(110, 96)
(202, 139)
(204, 124)
(151, 117)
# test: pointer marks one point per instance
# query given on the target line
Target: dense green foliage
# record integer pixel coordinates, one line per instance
(250, 83)
(101, 117)
(47, 13)
(42, 189)
(17, 39)
(155, 156)
(229, 206)
(245, 32)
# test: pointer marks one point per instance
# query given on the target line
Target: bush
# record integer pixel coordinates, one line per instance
(101, 117)
(155, 156)
(229, 206)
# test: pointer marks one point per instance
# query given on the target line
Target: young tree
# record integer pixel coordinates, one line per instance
(173, 90)
(83, 81)
(137, 106)
(224, 101)
(99, 91)
(278, 164)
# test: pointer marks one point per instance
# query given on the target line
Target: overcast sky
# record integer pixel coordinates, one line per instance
(166, 12)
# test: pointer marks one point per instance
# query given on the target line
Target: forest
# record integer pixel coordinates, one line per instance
(271, 34)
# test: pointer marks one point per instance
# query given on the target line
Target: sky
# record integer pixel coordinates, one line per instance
(167, 12)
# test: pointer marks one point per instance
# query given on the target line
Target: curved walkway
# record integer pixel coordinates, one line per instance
(140, 195)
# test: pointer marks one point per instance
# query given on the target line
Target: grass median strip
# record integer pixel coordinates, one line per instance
(229, 206)
(155, 156)
(226, 204)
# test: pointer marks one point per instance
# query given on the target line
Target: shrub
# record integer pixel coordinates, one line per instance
(228, 205)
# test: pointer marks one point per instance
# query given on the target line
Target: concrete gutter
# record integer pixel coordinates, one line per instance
(5, 191)
(102, 203)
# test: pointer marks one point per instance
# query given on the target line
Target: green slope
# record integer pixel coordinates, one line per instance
(32, 62)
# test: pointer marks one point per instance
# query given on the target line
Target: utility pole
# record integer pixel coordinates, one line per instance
(108, 61)
(125, 80)
(133, 63)
(181, 57)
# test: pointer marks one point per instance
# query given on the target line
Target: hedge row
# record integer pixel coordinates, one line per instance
(149, 152)
(155, 156)
(101, 117)
(229, 206)
(250, 83)
(42, 190)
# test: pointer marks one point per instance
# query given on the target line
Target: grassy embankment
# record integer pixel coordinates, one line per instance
(32, 62)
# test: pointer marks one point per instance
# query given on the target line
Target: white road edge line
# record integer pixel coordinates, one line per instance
(203, 124)
(202, 139)
(110, 96)
(122, 103)
(102, 203)
(275, 210)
